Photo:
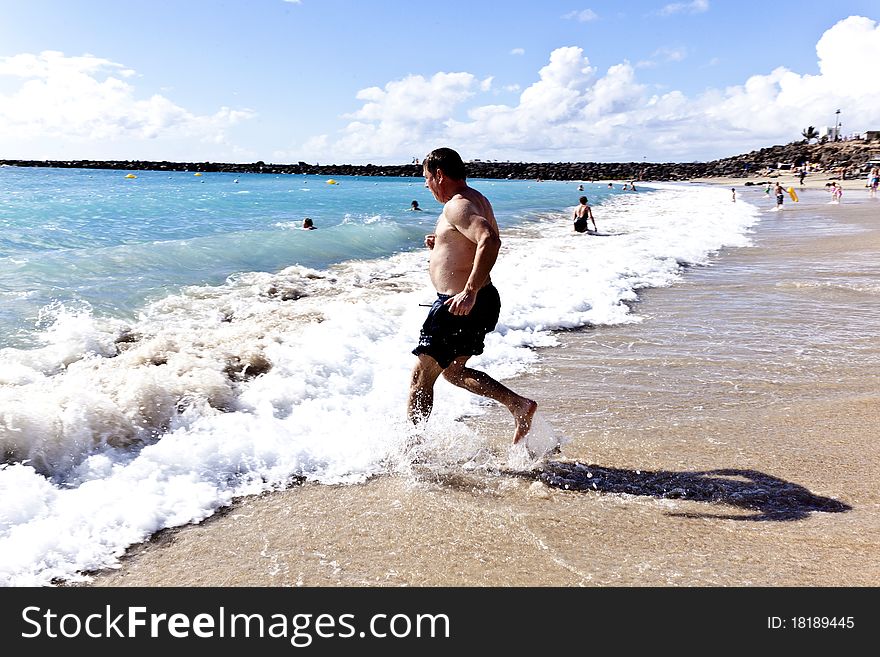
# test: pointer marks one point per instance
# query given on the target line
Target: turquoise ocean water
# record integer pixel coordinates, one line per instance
(95, 239)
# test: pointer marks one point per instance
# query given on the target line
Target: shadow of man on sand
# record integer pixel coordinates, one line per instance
(773, 498)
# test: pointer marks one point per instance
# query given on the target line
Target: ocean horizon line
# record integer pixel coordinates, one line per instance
(477, 168)
(829, 154)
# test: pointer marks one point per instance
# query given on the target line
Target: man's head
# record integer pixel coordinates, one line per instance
(444, 172)
(446, 160)
(583, 200)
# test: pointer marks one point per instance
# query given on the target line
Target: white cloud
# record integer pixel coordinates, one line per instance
(518, 51)
(664, 55)
(695, 7)
(582, 16)
(406, 116)
(415, 99)
(572, 112)
(294, 2)
(84, 99)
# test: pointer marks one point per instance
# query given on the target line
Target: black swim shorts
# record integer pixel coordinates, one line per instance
(445, 336)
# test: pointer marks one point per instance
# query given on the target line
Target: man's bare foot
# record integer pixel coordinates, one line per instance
(523, 419)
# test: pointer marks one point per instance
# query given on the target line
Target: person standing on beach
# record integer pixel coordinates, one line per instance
(733, 194)
(583, 214)
(464, 247)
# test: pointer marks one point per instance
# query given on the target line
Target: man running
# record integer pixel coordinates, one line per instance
(464, 247)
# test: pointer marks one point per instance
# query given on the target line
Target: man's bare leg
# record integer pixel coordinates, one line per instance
(480, 383)
(421, 389)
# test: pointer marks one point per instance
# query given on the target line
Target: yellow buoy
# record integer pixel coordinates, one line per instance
(332, 182)
(131, 175)
(197, 174)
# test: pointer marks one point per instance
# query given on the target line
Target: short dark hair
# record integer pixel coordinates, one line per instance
(448, 160)
(583, 199)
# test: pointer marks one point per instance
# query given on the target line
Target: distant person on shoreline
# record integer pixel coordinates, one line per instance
(836, 192)
(583, 214)
(308, 224)
(733, 194)
(414, 206)
(464, 247)
(874, 181)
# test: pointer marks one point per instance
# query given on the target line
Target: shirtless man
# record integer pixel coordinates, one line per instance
(583, 215)
(464, 247)
(780, 194)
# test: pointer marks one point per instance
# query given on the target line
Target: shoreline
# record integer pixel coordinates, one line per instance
(790, 499)
(813, 182)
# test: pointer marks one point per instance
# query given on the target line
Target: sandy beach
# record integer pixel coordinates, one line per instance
(706, 446)
(815, 181)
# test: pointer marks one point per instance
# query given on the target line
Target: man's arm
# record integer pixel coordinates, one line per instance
(479, 230)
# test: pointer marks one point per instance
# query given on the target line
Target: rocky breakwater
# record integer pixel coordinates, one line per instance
(823, 156)
(477, 169)
(830, 156)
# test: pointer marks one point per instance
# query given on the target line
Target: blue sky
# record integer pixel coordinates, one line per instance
(384, 81)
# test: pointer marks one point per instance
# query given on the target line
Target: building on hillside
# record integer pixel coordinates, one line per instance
(829, 134)
(871, 135)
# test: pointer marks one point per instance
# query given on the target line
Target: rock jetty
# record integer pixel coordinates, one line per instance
(826, 156)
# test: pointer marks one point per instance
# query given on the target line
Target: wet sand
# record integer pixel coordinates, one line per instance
(730, 439)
